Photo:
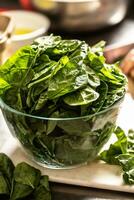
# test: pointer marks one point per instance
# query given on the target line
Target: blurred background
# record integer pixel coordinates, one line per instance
(89, 20)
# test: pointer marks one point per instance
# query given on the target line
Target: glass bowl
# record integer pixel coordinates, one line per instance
(61, 142)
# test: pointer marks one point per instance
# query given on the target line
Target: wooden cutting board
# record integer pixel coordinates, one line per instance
(95, 174)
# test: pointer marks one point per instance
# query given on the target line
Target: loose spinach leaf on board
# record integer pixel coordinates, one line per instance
(42, 191)
(27, 175)
(4, 186)
(41, 194)
(6, 167)
(44, 181)
(127, 163)
(121, 153)
(26, 181)
(20, 191)
(119, 147)
(130, 144)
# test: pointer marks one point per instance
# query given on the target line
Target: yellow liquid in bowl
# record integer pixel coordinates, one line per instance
(21, 31)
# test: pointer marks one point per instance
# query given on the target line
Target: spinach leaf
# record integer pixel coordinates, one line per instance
(25, 181)
(6, 175)
(44, 181)
(26, 178)
(79, 54)
(77, 148)
(3, 86)
(93, 79)
(99, 47)
(62, 62)
(121, 153)
(130, 138)
(52, 123)
(81, 127)
(15, 68)
(81, 97)
(20, 191)
(65, 47)
(97, 105)
(119, 147)
(4, 187)
(6, 167)
(42, 192)
(46, 42)
(41, 101)
(64, 81)
(43, 75)
(41, 63)
(127, 163)
(112, 97)
(27, 175)
(96, 62)
(112, 74)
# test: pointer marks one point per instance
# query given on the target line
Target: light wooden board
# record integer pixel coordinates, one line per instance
(95, 174)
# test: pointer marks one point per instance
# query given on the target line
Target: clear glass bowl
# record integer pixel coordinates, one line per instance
(61, 142)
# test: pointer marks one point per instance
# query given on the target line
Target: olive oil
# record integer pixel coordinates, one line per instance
(21, 31)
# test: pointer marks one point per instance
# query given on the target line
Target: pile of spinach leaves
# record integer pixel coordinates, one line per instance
(22, 182)
(61, 79)
(122, 153)
(55, 75)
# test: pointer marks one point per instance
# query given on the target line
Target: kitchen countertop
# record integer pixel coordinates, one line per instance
(122, 32)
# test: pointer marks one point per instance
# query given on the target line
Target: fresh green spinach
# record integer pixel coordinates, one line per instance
(55, 70)
(63, 85)
(22, 182)
(122, 153)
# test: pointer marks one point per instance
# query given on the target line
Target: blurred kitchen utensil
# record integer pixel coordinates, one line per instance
(127, 65)
(6, 29)
(117, 51)
(82, 15)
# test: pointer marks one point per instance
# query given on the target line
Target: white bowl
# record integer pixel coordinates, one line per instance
(26, 19)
